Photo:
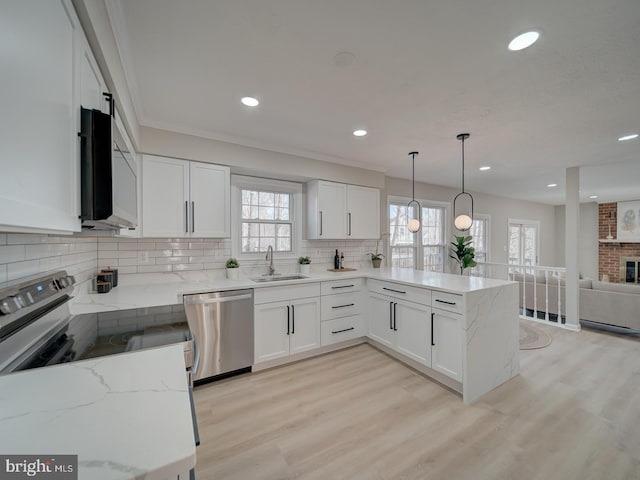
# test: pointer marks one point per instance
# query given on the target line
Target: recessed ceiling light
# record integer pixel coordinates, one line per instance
(593, 196)
(359, 133)
(628, 137)
(250, 101)
(485, 168)
(524, 40)
(551, 185)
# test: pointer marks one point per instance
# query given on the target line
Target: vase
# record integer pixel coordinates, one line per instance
(232, 273)
(376, 262)
(305, 268)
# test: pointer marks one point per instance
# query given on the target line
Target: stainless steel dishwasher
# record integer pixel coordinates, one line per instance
(221, 325)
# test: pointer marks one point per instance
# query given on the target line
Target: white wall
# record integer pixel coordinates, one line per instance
(588, 247)
(252, 161)
(500, 209)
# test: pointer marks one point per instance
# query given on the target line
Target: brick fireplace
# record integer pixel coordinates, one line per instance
(610, 254)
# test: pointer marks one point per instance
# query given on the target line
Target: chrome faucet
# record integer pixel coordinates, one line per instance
(269, 257)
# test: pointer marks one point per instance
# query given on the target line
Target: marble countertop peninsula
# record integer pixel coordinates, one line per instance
(124, 419)
(156, 289)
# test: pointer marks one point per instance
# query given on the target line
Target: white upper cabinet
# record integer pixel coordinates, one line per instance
(339, 211)
(210, 200)
(363, 212)
(185, 199)
(38, 126)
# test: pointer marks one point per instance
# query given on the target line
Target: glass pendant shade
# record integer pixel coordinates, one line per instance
(414, 224)
(462, 221)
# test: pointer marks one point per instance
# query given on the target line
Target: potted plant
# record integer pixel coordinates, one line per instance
(463, 253)
(305, 264)
(376, 258)
(232, 269)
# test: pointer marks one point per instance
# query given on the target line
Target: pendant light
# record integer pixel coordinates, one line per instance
(463, 221)
(414, 224)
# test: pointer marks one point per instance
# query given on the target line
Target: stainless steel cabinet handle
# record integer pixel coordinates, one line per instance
(444, 301)
(320, 222)
(288, 319)
(349, 214)
(186, 216)
(193, 217)
(343, 330)
(343, 306)
(342, 286)
(392, 290)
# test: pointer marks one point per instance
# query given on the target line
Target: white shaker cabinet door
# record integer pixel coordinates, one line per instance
(332, 208)
(210, 207)
(380, 313)
(413, 332)
(272, 329)
(363, 216)
(305, 325)
(446, 350)
(38, 133)
(165, 197)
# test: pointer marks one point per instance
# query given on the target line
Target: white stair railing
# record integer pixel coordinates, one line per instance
(541, 289)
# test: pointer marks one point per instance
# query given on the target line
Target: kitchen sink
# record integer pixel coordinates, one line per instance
(278, 278)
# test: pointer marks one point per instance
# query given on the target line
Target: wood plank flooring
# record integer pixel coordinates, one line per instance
(573, 413)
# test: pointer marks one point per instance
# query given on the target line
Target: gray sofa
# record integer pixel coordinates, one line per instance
(616, 304)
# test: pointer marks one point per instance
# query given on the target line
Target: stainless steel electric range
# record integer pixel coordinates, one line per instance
(37, 329)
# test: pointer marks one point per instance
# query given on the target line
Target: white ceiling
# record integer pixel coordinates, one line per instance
(421, 72)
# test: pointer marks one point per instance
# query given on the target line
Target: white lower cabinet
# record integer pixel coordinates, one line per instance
(446, 345)
(401, 325)
(285, 328)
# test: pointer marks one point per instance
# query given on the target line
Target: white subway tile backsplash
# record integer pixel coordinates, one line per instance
(22, 269)
(26, 239)
(25, 254)
(11, 253)
(154, 268)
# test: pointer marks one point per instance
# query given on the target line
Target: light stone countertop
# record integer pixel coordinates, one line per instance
(157, 289)
(124, 419)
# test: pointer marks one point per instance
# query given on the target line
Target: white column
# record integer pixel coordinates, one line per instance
(571, 239)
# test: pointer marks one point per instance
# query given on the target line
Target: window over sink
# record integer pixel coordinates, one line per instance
(266, 213)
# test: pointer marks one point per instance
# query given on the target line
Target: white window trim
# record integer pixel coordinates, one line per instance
(423, 203)
(238, 182)
(487, 217)
(520, 221)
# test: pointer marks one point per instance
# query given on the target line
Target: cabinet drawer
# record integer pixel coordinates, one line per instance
(340, 329)
(285, 293)
(341, 286)
(398, 290)
(446, 301)
(340, 305)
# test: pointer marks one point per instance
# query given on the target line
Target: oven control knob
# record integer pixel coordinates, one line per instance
(9, 305)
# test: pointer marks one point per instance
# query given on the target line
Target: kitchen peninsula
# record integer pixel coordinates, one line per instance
(464, 332)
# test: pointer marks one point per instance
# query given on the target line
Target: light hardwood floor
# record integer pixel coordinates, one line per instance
(573, 413)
